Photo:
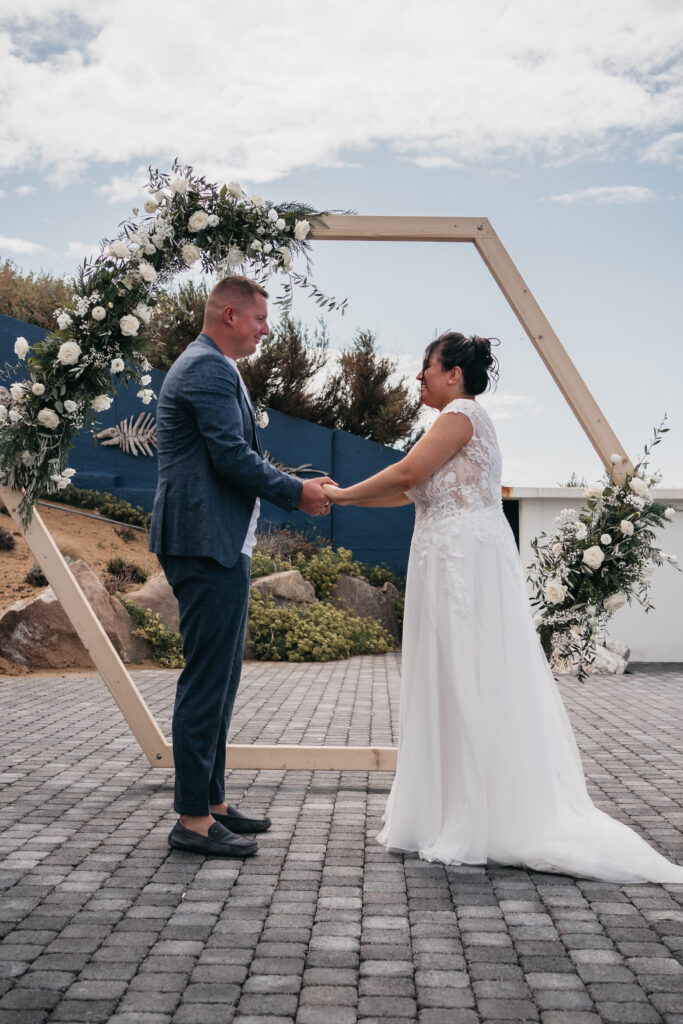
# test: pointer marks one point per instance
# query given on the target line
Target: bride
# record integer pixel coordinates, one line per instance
(488, 768)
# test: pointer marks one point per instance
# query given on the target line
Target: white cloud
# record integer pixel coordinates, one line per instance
(507, 407)
(3, 193)
(457, 81)
(24, 190)
(667, 150)
(19, 246)
(606, 194)
(124, 188)
(78, 251)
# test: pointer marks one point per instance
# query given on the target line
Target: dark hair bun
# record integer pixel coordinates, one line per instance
(473, 355)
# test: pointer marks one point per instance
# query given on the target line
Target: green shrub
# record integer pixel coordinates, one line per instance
(378, 575)
(126, 572)
(263, 565)
(285, 543)
(166, 643)
(106, 504)
(324, 567)
(317, 632)
(35, 576)
(7, 541)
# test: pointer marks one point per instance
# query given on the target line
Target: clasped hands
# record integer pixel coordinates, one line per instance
(314, 499)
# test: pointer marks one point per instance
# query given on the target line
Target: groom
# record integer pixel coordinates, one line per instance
(211, 476)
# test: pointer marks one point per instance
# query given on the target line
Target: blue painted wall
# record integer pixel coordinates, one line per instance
(374, 535)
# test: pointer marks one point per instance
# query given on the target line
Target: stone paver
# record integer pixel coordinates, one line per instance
(100, 921)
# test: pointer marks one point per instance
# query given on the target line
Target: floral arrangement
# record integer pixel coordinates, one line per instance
(598, 559)
(99, 342)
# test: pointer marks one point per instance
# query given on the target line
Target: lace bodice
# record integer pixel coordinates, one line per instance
(471, 479)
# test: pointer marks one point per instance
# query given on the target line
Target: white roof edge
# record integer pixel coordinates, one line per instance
(515, 493)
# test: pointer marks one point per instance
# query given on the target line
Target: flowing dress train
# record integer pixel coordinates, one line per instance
(488, 768)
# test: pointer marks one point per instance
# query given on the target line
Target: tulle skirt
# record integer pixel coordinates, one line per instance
(488, 768)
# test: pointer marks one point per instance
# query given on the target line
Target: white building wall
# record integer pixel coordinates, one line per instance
(655, 636)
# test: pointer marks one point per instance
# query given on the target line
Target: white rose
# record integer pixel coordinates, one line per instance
(149, 249)
(615, 459)
(581, 531)
(286, 259)
(267, 247)
(614, 602)
(17, 392)
(68, 473)
(214, 220)
(556, 549)
(145, 379)
(538, 619)
(280, 224)
(555, 591)
(673, 559)
(119, 250)
(38, 388)
(98, 312)
(256, 245)
(258, 201)
(117, 365)
(129, 325)
(639, 487)
(21, 348)
(605, 539)
(147, 271)
(594, 490)
(235, 190)
(143, 312)
(178, 186)
(3, 414)
(626, 527)
(145, 395)
(273, 215)
(49, 418)
(69, 353)
(235, 256)
(198, 221)
(151, 205)
(70, 405)
(669, 513)
(64, 321)
(594, 557)
(101, 403)
(301, 229)
(190, 254)
(14, 415)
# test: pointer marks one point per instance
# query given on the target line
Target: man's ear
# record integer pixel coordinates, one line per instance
(228, 314)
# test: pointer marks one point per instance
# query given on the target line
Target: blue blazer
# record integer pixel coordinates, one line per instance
(210, 466)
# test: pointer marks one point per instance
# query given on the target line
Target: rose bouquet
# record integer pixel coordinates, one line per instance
(598, 559)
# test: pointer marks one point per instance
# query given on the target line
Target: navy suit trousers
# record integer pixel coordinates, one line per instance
(213, 602)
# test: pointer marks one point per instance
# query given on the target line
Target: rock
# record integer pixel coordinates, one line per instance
(607, 661)
(36, 632)
(156, 595)
(357, 596)
(390, 590)
(285, 586)
(615, 646)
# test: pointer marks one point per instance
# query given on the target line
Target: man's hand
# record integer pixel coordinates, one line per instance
(313, 499)
(334, 494)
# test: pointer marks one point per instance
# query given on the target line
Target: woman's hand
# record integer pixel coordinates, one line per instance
(334, 494)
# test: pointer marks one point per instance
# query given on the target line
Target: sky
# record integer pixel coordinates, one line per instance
(562, 124)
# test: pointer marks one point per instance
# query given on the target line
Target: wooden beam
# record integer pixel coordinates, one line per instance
(291, 758)
(553, 353)
(89, 630)
(342, 227)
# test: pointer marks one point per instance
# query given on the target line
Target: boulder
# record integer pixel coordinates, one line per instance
(156, 595)
(283, 587)
(356, 595)
(36, 633)
(608, 662)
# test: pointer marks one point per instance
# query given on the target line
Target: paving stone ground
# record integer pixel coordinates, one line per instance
(100, 921)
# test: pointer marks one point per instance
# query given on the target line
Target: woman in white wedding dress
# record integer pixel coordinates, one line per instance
(488, 768)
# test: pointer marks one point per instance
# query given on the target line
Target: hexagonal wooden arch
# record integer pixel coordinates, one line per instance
(144, 727)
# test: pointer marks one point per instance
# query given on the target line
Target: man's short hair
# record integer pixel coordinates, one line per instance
(233, 289)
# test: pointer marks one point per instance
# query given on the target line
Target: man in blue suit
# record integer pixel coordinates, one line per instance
(211, 476)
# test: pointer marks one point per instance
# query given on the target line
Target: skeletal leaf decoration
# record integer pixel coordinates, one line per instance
(132, 434)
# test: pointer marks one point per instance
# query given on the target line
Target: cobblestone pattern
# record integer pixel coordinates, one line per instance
(101, 922)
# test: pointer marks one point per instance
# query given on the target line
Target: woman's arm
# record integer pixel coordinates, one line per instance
(389, 501)
(447, 436)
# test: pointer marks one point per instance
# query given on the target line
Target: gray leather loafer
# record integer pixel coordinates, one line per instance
(235, 821)
(220, 842)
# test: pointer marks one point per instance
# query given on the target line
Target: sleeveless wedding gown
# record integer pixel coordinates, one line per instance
(488, 768)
